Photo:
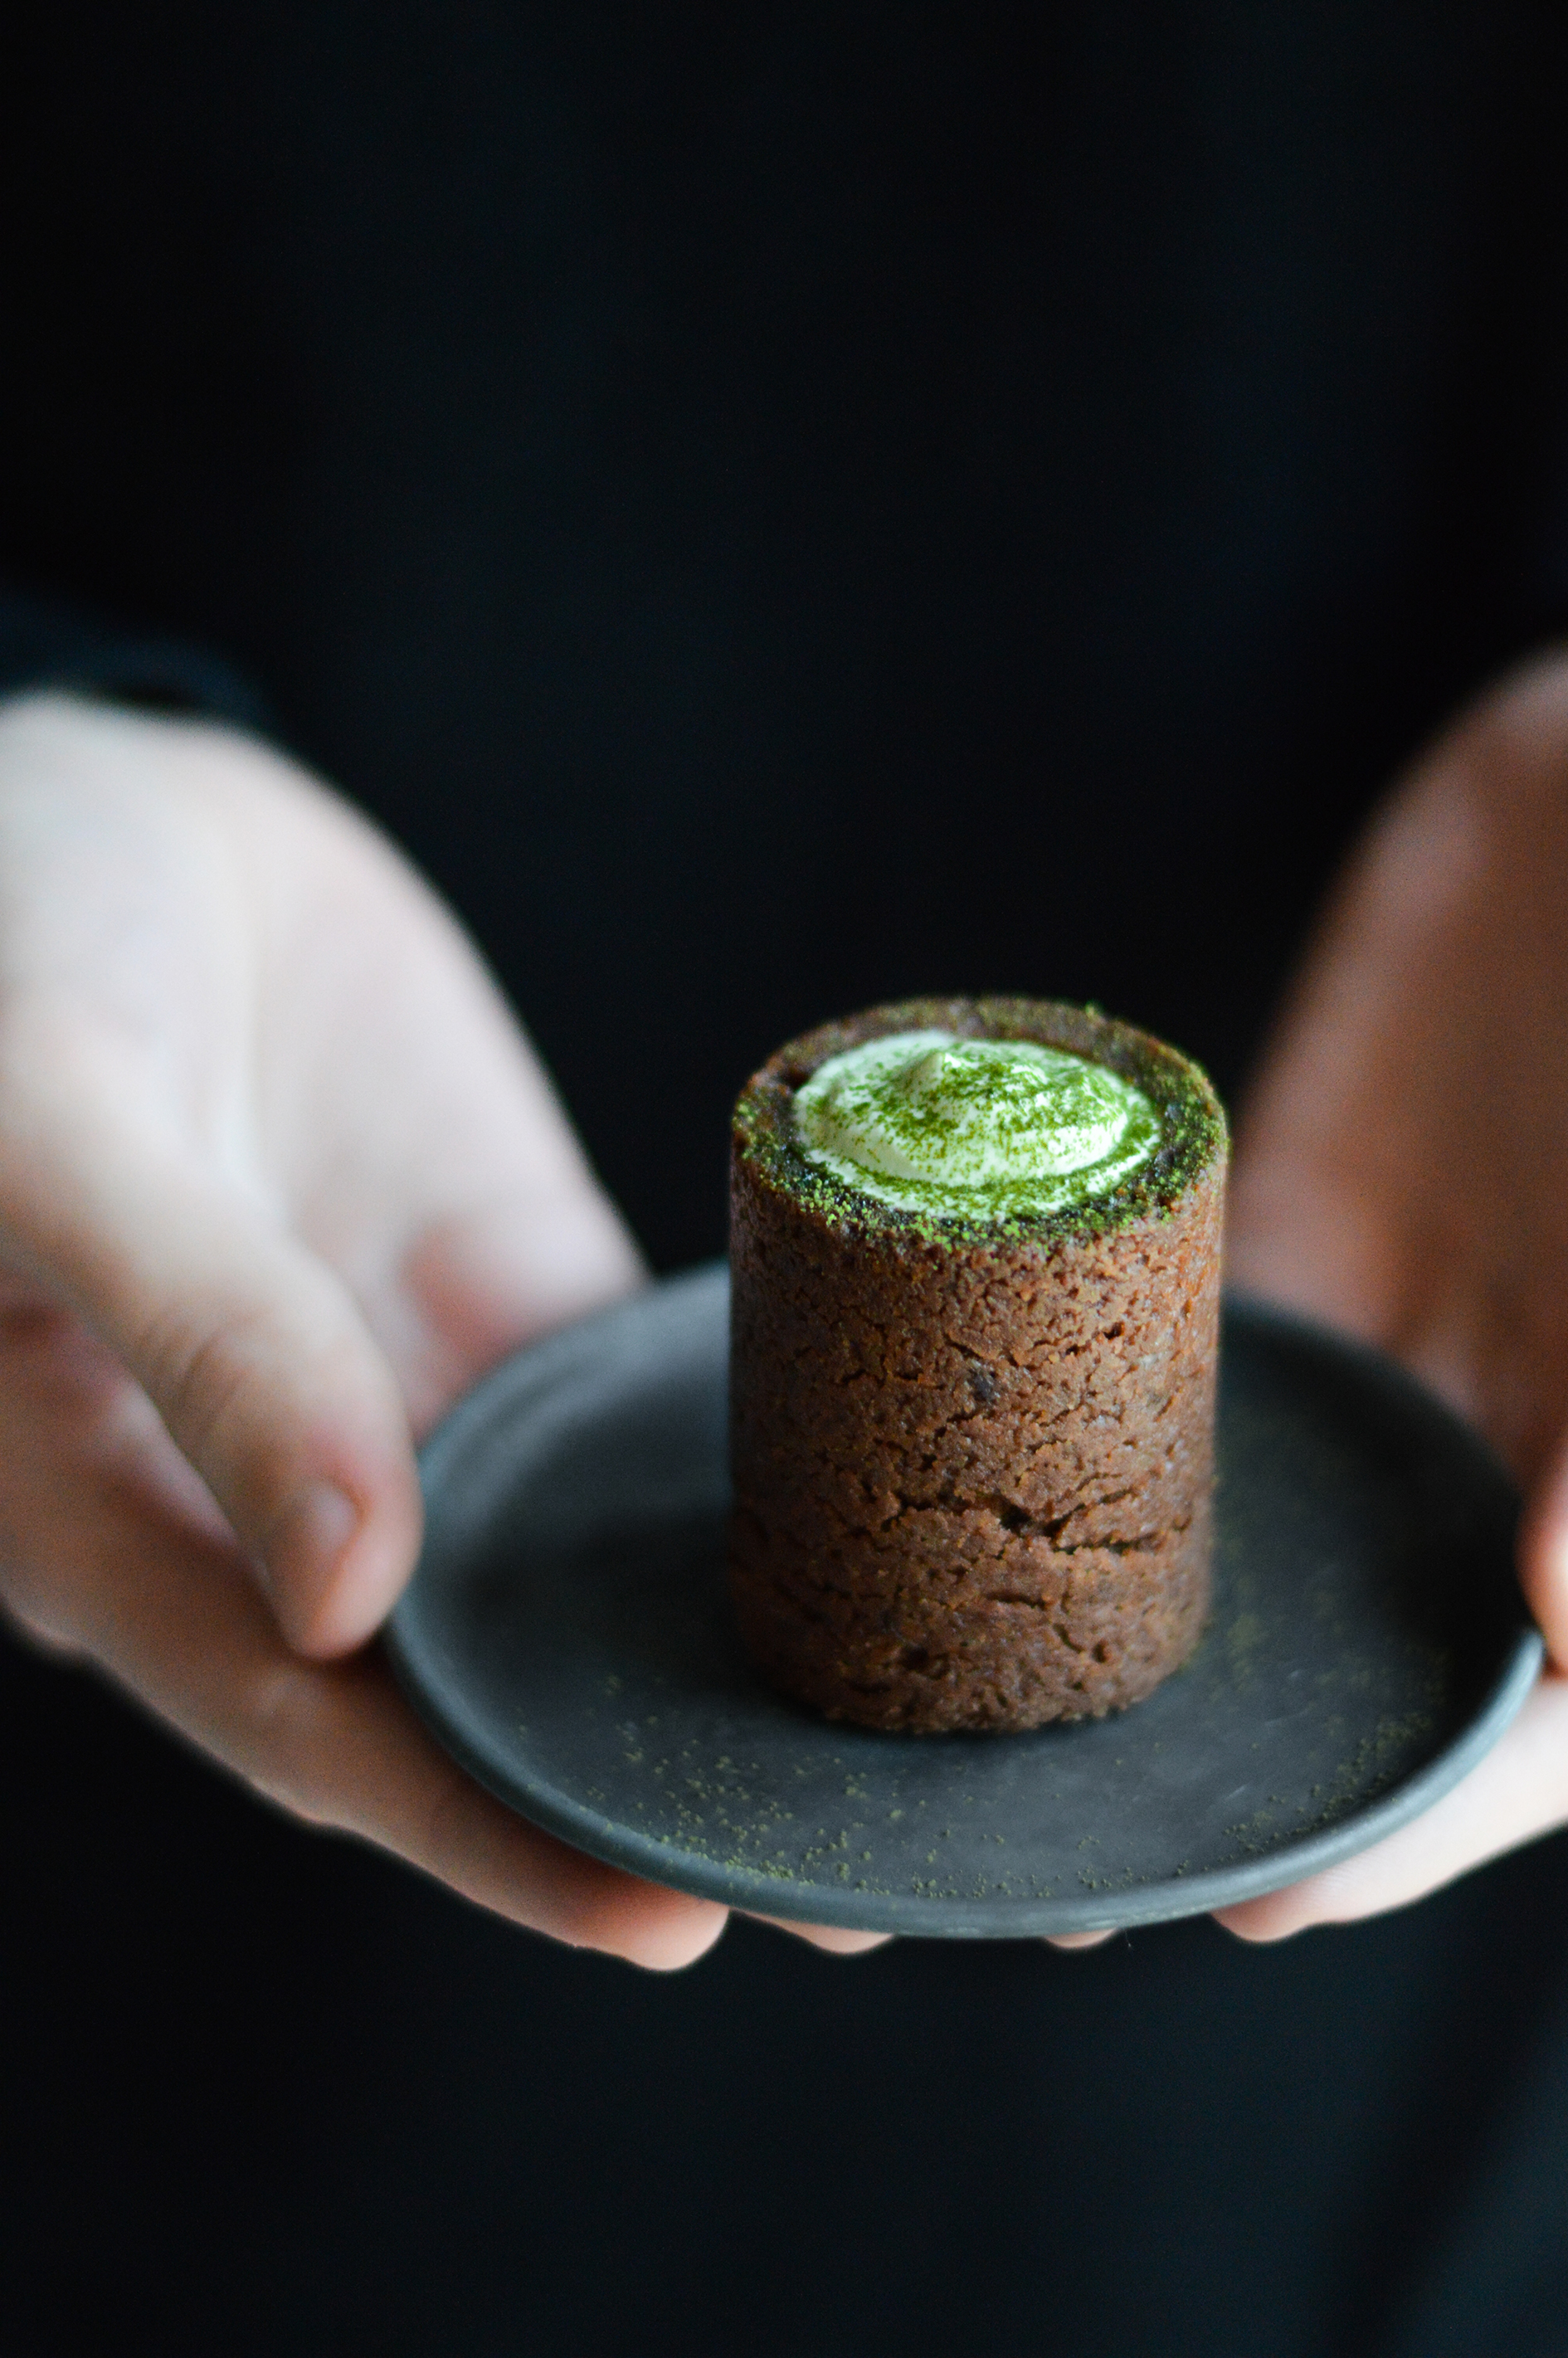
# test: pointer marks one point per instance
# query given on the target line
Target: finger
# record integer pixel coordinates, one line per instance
(254, 1354)
(836, 1939)
(102, 1558)
(496, 1275)
(1544, 1556)
(1517, 1791)
(1079, 1939)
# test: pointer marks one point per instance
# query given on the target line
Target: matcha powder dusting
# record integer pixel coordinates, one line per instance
(927, 1121)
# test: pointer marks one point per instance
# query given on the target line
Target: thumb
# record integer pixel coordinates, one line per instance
(1543, 1554)
(262, 1370)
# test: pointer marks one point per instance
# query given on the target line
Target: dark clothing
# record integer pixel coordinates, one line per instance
(780, 508)
(787, 507)
(277, 2098)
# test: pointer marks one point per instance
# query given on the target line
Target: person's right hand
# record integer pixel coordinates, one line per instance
(279, 1177)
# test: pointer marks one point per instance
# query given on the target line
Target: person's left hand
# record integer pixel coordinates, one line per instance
(1403, 1173)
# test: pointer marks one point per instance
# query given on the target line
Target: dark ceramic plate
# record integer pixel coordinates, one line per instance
(568, 1637)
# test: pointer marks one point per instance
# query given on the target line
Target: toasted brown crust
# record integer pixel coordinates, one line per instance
(972, 1479)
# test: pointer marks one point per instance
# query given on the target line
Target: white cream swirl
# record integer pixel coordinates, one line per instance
(927, 1121)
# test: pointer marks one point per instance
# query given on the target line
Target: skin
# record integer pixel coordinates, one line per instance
(280, 1178)
(1400, 1174)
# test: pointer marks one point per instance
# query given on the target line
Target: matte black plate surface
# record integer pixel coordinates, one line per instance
(568, 1637)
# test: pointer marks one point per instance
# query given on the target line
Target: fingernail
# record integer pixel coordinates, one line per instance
(307, 1541)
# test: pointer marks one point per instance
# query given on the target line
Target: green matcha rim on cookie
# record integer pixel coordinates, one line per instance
(962, 1119)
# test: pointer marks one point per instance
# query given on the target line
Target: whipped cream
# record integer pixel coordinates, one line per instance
(930, 1122)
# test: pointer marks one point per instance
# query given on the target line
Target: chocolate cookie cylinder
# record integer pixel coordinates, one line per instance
(973, 1458)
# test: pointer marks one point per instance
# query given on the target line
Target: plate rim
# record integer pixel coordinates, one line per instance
(1165, 1901)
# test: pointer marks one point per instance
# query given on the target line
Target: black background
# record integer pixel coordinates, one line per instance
(782, 508)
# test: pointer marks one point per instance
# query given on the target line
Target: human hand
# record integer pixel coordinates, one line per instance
(1403, 1173)
(279, 1177)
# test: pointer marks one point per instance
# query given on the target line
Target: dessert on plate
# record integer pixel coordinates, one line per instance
(974, 1265)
